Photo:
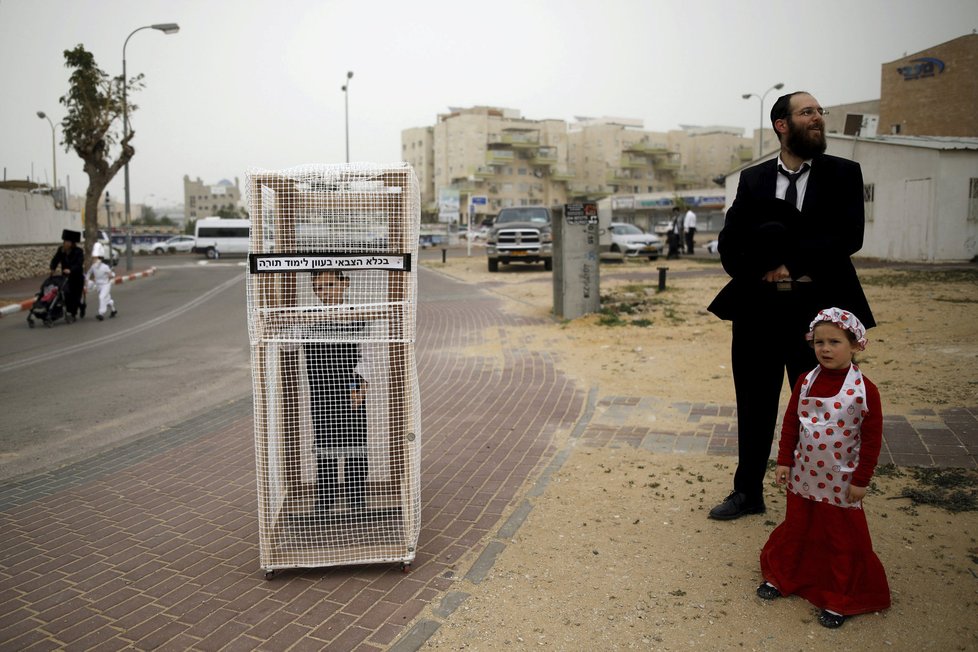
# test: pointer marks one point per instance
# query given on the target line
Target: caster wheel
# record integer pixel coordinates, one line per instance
(269, 574)
(405, 567)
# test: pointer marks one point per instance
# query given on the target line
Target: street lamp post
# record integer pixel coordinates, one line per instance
(54, 159)
(760, 128)
(166, 28)
(346, 111)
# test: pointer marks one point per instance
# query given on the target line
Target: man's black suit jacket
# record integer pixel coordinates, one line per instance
(761, 232)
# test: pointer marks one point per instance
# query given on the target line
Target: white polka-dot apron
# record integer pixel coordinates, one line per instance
(828, 441)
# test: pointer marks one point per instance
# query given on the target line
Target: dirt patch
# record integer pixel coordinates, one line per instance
(617, 553)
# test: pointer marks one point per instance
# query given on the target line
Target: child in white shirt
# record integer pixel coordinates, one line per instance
(102, 276)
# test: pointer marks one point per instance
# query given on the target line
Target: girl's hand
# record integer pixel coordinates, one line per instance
(855, 494)
(781, 474)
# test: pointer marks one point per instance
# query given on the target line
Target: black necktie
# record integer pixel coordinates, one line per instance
(791, 194)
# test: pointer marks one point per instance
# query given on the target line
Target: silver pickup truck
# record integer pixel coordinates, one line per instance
(521, 235)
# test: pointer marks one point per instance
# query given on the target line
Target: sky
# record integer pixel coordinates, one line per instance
(247, 84)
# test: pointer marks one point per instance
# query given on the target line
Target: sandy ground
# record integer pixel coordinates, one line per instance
(618, 553)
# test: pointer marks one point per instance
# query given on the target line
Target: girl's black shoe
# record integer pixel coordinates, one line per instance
(767, 592)
(830, 620)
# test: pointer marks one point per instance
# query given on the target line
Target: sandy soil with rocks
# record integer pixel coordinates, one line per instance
(617, 553)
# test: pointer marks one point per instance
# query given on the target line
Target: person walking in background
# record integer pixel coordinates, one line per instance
(674, 237)
(689, 226)
(71, 259)
(101, 276)
(786, 243)
(830, 442)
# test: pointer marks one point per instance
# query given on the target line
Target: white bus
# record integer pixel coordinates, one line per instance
(217, 237)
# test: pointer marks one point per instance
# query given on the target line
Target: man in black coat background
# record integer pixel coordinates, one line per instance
(71, 259)
(786, 243)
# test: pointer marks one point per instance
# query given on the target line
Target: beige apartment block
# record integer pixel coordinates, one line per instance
(514, 161)
(933, 92)
(616, 155)
(706, 154)
(202, 200)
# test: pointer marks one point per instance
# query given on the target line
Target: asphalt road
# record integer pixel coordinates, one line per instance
(178, 347)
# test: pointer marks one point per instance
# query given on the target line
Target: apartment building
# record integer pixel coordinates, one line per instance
(514, 161)
(201, 200)
(705, 154)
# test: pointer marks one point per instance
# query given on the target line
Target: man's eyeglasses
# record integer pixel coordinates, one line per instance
(810, 111)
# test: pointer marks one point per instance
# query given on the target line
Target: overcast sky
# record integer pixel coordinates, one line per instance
(258, 84)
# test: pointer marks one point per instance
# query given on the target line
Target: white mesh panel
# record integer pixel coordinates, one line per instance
(332, 301)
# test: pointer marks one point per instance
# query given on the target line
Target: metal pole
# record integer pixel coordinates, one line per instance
(760, 125)
(166, 28)
(54, 149)
(125, 134)
(108, 227)
(346, 111)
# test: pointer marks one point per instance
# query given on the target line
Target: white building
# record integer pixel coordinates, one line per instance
(921, 195)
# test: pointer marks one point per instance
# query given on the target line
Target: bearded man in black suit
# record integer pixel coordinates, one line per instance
(786, 243)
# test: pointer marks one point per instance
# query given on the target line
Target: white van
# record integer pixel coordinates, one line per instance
(218, 237)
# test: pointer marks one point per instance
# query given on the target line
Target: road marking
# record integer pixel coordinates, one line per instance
(114, 337)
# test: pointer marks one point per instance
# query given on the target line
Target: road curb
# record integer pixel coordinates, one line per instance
(27, 303)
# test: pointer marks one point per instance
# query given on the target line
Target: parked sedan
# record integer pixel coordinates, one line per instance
(629, 240)
(178, 243)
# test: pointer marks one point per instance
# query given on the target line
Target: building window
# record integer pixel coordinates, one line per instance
(869, 199)
(973, 199)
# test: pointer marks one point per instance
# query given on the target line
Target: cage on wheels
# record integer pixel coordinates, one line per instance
(332, 312)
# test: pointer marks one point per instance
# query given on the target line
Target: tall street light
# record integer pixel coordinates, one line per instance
(760, 128)
(166, 28)
(346, 111)
(54, 159)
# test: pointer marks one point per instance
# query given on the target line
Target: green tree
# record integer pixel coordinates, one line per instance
(91, 127)
(148, 216)
(230, 212)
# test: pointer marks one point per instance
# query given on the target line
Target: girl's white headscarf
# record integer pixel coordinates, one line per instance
(844, 320)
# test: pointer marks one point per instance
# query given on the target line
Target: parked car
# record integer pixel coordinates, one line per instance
(520, 235)
(629, 240)
(177, 244)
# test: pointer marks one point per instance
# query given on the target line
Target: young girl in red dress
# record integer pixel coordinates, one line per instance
(830, 442)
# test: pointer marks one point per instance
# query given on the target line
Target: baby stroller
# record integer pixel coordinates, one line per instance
(49, 303)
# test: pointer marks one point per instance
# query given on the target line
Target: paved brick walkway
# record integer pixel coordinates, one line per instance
(154, 545)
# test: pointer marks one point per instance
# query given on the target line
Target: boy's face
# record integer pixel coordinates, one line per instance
(329, 287)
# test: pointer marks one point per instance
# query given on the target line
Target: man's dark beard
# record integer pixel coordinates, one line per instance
(803, 142)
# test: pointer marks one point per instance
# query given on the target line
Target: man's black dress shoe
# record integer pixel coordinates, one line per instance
(735, 506)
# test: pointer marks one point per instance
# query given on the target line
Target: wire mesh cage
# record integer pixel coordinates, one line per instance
(332, 312)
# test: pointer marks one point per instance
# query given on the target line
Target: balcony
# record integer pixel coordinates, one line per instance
(667, 165)
(643, 147)
(518, 140)
(485, 172)
(561, 175)
(633, 162)
(499, 157)
(619, 177)
(544, 156)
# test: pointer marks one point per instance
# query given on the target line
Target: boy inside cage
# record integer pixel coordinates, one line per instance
(337, 401)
